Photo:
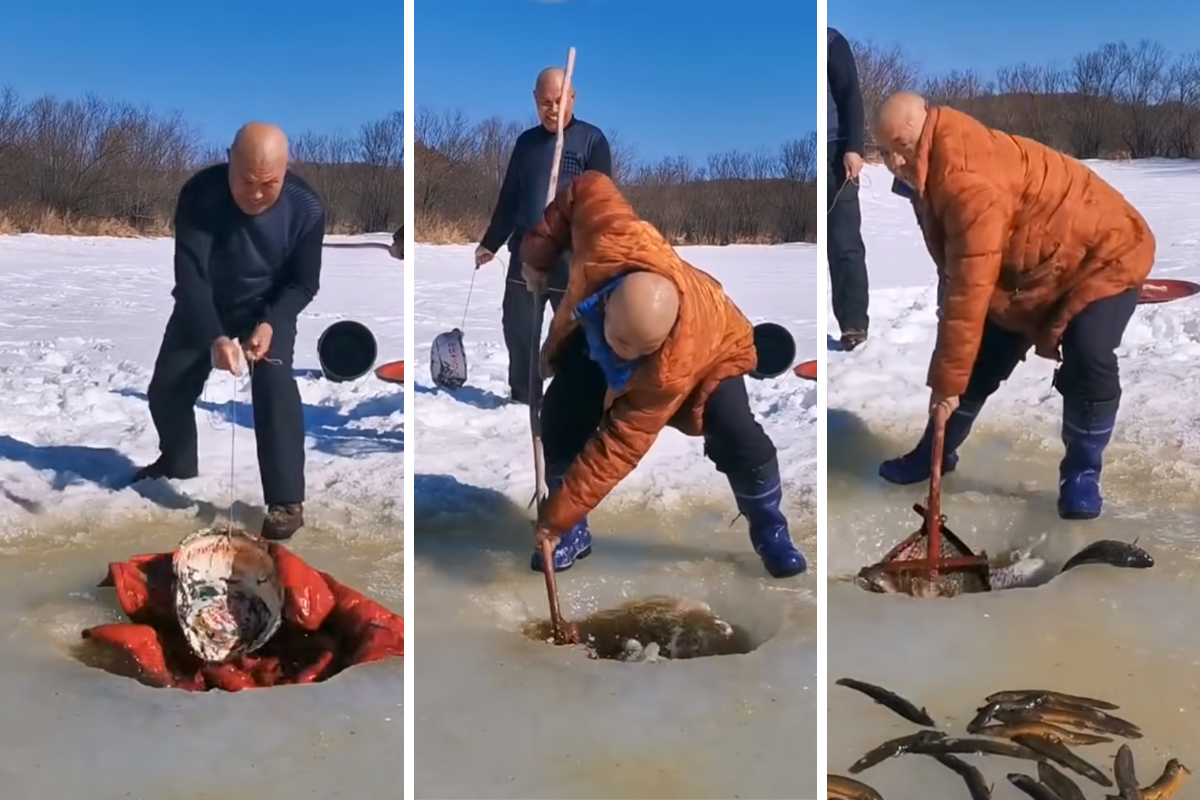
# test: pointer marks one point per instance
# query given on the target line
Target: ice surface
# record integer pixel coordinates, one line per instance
(1126, 636)
(80, 323)
(499, 715)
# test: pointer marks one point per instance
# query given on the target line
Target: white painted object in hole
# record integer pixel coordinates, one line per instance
(228, 598)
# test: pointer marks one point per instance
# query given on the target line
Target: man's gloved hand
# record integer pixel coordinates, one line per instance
(939, 403)
(544, 534)
(483, 256)
(227, 355)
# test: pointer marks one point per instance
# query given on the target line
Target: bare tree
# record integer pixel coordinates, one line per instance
(1114, 101)
(89, 165)
(882, 71)
(737, 197)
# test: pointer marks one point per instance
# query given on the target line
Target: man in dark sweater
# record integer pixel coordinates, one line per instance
(248, 238)
(844, 246)
(521, 205)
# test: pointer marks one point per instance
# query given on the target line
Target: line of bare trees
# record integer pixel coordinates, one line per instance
(732, 197)
(91, 166)
(1117, 101)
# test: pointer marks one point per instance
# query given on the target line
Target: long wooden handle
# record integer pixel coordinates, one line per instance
(556, 166)
(556, 620)
(933, 519)
(541, 488)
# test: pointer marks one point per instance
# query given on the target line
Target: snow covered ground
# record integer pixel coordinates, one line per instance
(770, 284)
(498, 715)
(1117, 634)
(80, 323)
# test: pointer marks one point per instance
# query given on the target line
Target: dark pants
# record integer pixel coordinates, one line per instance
(180, 372)
(573, 410)
(519, 335)
(1088, 373)
(845, 249)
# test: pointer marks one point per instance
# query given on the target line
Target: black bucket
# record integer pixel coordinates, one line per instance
(347, 351)
(776, 350)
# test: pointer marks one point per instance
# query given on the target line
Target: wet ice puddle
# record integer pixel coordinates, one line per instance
(1097, 631)
(74, 731)
(503, 715)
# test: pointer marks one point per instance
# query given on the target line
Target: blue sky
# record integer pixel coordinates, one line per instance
(302, 64)
(945, 35)
(673, 77)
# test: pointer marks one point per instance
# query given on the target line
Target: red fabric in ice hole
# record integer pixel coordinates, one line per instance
(326, 628)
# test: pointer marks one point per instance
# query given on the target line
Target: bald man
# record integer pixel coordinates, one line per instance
(520, 205)
(642, 341)
(248, 238)
(1033, 249)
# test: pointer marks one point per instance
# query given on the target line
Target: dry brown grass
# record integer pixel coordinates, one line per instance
(48, 223)
(33, 220)
(436, 229)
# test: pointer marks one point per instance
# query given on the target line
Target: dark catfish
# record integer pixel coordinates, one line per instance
(893, 748)
(839, 787)
(977, 787)
(1043, 729)
(1032, 787)
(1074, 716)
(1063, 786)
(1125, 772)
(1017, 695)
(890, 700)
(1060, 754)
(1174, 776)
(1111, 553)
(962, 745)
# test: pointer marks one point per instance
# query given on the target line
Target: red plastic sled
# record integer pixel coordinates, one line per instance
(1164, 291)
(327, 628)
(391, 372)
(807, 370)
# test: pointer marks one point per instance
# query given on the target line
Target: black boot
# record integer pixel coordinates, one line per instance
(161, 469)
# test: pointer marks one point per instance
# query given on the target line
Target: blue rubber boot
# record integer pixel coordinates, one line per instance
(572, 545)
(914, 466)
(758, 494)
(1087, 428)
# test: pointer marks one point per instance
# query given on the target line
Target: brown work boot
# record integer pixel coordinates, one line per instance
(282, 521)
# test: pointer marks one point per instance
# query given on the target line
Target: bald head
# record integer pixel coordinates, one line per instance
(898, 130)
(546, 93)
(640, 314)
(258, 161)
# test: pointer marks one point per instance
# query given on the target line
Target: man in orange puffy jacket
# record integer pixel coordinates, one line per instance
(641, 341)
(1034, 250)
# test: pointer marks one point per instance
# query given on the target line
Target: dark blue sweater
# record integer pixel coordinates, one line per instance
(846, 113)
(233, 269)
(522, 201)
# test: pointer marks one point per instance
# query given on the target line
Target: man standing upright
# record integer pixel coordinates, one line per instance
(522, 203)
(845, 249)
(248, 238)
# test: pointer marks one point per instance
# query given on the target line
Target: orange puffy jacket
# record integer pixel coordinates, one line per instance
(1022, 234)
(712, 339)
